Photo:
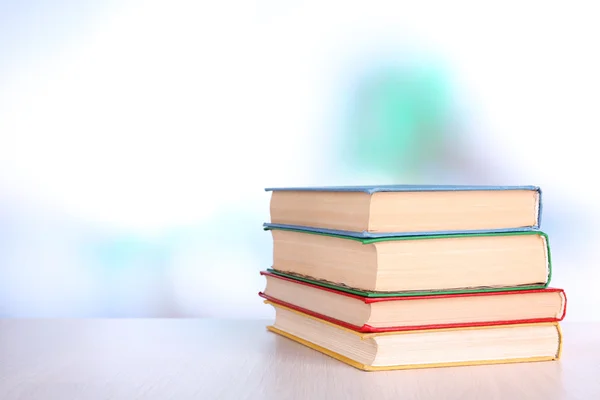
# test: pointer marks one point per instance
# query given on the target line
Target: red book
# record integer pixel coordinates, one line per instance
(409, 312)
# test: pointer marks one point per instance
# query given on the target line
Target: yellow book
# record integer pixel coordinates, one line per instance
(411, 349)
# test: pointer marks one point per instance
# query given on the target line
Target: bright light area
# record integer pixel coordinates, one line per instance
(156, 117)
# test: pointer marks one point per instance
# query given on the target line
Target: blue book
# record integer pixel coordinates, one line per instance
(406, 210)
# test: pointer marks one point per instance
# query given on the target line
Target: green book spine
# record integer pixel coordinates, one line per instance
(419, 293)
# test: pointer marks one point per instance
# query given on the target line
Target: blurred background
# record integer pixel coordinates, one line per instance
(136, 137)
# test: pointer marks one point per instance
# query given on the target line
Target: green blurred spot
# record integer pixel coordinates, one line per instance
(399, 119)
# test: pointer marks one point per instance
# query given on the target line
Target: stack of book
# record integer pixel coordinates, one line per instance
(396, 277)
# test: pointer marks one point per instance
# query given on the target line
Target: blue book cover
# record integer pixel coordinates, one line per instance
(371, 189)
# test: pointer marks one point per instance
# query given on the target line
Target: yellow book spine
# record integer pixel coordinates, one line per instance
(413, 366)
(364, 367)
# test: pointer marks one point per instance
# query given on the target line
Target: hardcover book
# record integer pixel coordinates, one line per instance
(394, 210)
(475, 345)
(398, 313)
(417, 264)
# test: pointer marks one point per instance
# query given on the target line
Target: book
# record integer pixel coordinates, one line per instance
(420, 264)
(393, 210)
(494, 344)
(384, 314)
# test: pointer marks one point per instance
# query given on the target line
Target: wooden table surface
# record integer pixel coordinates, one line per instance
(220, 359)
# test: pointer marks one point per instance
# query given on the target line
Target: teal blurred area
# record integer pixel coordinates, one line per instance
(136, 137)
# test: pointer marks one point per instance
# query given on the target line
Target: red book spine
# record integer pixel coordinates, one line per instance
(369, 329)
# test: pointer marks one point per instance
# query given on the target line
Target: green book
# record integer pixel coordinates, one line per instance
(414, 265)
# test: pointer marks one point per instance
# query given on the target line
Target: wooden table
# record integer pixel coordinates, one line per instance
(219, 359)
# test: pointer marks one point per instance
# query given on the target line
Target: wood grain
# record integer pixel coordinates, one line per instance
(220, 359)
